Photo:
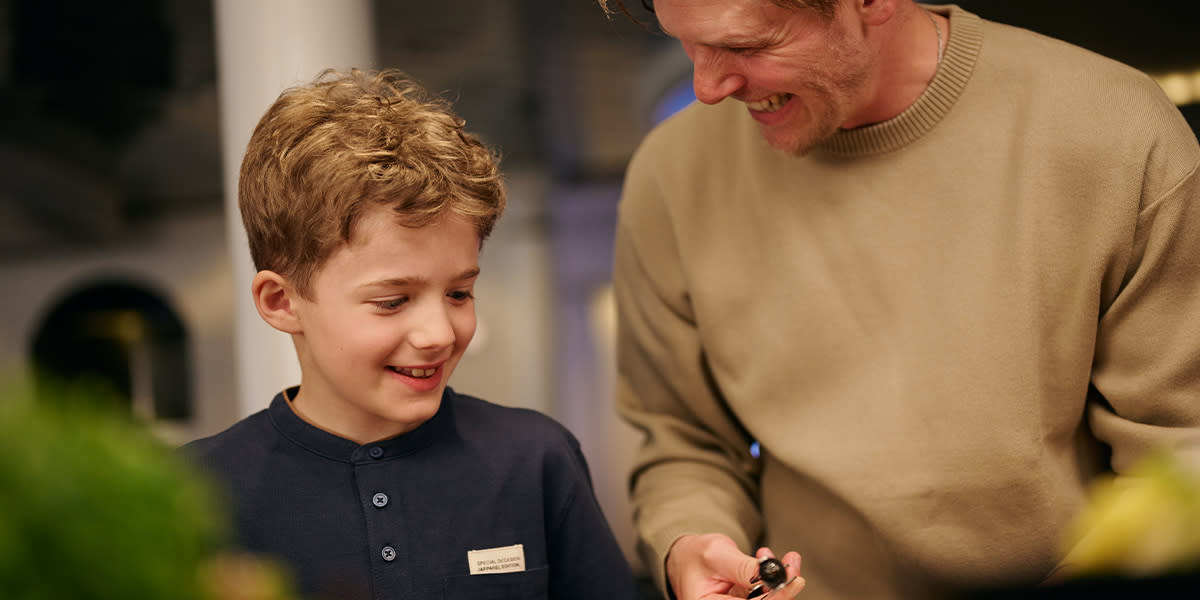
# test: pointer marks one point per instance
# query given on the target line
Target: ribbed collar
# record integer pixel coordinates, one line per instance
(328, 445)
(962, 51)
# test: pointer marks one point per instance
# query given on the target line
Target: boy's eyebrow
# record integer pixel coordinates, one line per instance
(471, 273)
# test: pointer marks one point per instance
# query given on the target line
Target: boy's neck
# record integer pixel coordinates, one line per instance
(295, 400)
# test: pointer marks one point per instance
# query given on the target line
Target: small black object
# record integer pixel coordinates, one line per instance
(772, 572)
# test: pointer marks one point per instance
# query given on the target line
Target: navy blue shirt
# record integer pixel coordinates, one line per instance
(398, 518)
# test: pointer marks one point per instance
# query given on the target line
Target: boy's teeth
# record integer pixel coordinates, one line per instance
(422, 373)
(771, 104)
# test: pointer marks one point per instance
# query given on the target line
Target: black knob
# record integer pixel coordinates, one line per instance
(772, 572)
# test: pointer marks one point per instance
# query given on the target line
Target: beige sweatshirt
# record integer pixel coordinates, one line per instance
(936, 327)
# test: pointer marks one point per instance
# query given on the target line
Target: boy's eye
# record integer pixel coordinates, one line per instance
(391, 303)
(461, 295)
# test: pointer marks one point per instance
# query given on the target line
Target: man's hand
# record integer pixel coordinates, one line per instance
(710, 567)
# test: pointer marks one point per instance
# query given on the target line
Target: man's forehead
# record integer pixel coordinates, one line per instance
(688, 18)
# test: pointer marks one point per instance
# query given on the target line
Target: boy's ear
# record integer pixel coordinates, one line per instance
(275, 298)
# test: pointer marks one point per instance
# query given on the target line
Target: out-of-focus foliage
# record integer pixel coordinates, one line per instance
(246, 577)
(94, 507)
(1141, 524)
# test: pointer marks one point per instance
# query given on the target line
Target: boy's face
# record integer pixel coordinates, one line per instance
(391, 314)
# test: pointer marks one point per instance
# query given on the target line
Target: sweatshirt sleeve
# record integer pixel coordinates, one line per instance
(693, 472)
(1146, 371)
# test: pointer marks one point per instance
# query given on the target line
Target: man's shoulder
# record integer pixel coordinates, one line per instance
(1018, 48)
(1078, 87)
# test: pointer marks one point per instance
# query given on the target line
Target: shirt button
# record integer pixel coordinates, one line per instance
(375, 452)
(380, 500)
(388, 553)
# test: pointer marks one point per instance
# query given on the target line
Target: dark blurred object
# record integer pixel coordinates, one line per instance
(1162, 39)
(83, 80)
(120, 333)
(96, 65)
(1182, 586)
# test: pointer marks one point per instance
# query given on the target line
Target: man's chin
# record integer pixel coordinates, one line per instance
(793, 142)
(787, 144)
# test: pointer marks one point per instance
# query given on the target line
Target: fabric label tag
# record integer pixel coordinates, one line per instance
(507, 559)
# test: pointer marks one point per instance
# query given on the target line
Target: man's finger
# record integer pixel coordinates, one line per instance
(791, 560)
(786, 591)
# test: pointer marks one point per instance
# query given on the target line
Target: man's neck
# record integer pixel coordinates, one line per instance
(908, 49)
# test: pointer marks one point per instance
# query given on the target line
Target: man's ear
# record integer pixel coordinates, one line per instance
(275, 300)
(877, 12)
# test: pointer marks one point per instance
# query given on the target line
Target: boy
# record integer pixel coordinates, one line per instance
(365, 205)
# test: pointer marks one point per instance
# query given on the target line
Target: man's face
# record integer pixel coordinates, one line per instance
(800, 76)
(391, 314)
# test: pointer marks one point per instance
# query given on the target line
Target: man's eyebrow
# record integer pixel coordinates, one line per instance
(728, 40)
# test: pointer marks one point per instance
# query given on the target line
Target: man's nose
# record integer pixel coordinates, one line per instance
(712, 79)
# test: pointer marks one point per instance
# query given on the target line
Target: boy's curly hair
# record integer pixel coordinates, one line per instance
(326, 151)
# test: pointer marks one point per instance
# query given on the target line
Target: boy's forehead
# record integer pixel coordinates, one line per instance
(383, 260)
(382, 231)
(388, 219)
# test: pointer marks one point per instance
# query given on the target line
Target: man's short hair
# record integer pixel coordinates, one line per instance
(328, 150)
(825, 8)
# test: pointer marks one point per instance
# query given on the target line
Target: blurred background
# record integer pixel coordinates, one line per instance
(121, 126)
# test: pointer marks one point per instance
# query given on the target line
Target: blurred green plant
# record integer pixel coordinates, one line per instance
(94, 507)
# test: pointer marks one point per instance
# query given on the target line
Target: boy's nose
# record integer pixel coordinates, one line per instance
(434, 329)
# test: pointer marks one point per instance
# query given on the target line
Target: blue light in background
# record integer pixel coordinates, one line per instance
(673, 101)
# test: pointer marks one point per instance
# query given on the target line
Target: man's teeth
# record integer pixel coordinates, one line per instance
(419, 373)
(771, 104)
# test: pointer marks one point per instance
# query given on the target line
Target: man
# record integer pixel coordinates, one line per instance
(939, 272)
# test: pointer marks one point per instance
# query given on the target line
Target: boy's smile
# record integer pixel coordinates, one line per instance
(389, 317)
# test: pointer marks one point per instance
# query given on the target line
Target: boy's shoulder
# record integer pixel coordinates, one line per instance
(237, 436)
(473, 415)
(503, 436)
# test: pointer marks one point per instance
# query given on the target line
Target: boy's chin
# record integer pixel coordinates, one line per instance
(414, 412)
